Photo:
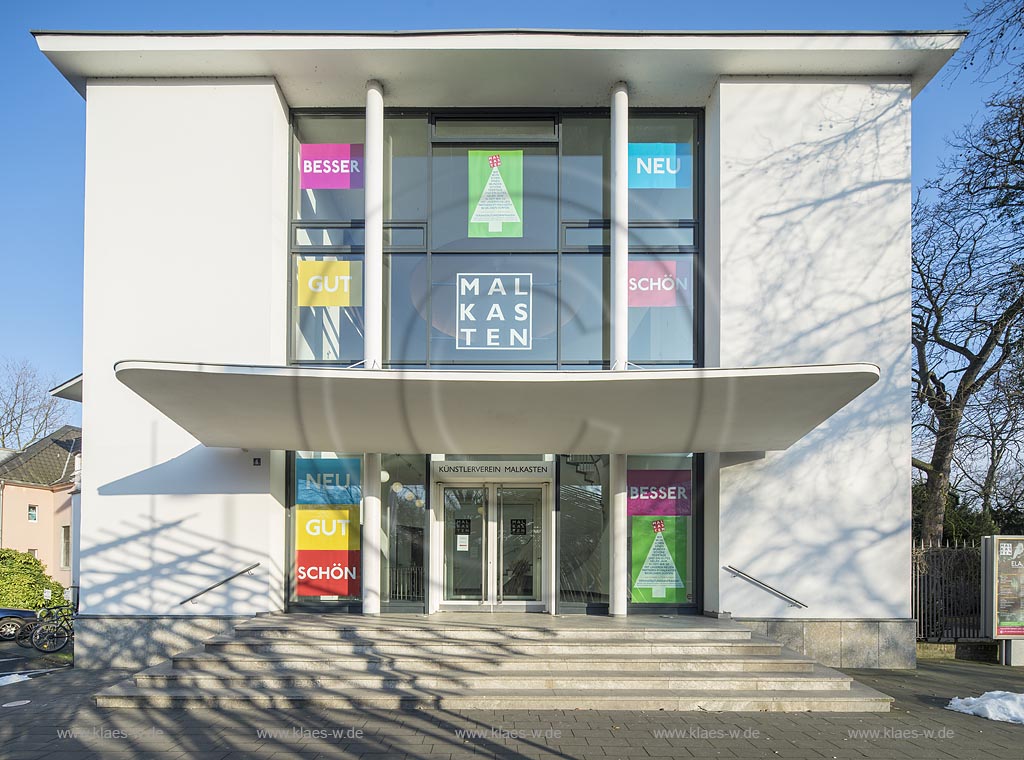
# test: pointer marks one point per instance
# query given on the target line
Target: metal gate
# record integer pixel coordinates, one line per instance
(947, 592)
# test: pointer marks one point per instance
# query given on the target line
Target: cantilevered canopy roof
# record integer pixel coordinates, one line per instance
(497, 67)
(69, 390)
(478, 412)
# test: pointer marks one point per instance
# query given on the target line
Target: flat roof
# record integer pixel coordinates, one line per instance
(498, 67)
(499, 30)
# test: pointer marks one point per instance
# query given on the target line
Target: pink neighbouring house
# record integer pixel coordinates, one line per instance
(38, 492)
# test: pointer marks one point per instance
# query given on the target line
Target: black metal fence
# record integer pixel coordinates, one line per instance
(947, 592)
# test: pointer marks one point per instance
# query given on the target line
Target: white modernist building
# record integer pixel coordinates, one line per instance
(604, 323)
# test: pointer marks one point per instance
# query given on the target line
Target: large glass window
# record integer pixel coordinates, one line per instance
(662, 537)
(663, 236)
(586, 156)
(583, 319)
(494, 197)
(583, 520)
(496, 309)
(661, 307)
(406, 309)
(493, 308)
(496, 239)
(662, 169)
(327, 238)
(403, 528)
(406, 169)
(327, 307)
(325, 527)
(328, 167)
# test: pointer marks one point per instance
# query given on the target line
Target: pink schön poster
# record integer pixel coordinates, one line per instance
(653, 283)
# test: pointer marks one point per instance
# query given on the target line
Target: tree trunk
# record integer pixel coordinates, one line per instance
(937, 484)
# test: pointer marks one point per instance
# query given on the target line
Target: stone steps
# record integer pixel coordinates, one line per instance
(483, 635)
(820, 679)
(489, 662)
(456, 648)
(211, 662)
(857, 699)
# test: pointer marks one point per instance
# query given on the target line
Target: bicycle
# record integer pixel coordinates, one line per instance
(24, 637)
(28, 627)
(54, 635)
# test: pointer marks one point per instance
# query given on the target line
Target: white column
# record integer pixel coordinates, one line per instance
(373, 257)
(620, 227)
(370, 549)
(373, 335)
(619, 584)
(618, 591)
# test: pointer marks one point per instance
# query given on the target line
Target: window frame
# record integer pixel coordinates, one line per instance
(65, 547)
(698, 226)
(33, 513)
(697, 501)
(558, 115)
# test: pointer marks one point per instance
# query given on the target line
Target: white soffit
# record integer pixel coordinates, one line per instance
(508, 68)
(69, 390)
(478, 412)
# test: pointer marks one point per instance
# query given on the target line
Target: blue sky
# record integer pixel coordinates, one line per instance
(42, 129)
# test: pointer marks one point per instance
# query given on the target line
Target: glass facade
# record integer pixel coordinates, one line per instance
(325, 525)
(497, 257)
(663, 251)
(583, 522)
(327, 308)
(660, 506)
(496, 241)
(327, 239)
(405, 502)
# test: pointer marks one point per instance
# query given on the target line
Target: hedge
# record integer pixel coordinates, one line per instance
(22, 580)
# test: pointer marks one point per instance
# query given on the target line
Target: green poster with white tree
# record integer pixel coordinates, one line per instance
(658, 561)
(495, 193)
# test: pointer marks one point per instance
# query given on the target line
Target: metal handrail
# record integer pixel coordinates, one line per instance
(247, 570)
(771, 589)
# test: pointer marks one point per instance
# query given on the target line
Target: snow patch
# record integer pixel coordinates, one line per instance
(994, 705)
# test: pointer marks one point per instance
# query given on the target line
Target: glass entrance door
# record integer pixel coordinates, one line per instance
(519, 529)
(493, 543)
(465, 555)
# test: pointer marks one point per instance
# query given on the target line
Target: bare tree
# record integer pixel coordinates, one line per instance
(27, 410)
(968, 267)
(997, 27)
(968, 289)
(991, 444)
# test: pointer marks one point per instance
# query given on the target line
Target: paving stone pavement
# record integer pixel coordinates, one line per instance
(61, 722)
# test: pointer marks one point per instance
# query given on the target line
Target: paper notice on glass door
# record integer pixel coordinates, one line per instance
(462, 543)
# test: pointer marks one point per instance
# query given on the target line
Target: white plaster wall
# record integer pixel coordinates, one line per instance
(185, 259)
(812, 248)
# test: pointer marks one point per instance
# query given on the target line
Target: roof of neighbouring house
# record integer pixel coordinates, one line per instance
(50, 461)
